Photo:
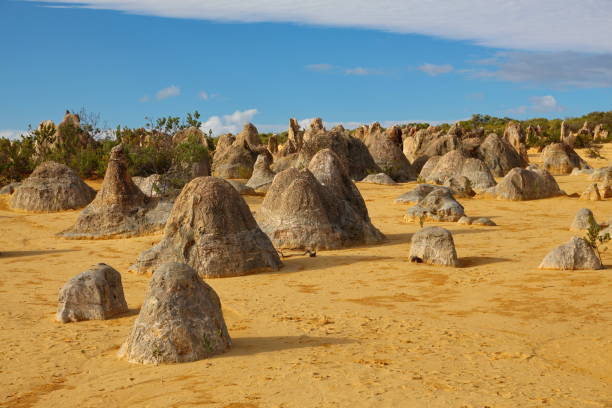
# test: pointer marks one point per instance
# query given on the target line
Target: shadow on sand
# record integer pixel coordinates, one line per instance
(323, 261)
(247, 346)
(17, 254)
(470, 261)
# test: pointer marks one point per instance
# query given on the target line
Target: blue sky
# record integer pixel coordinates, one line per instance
(264, 61)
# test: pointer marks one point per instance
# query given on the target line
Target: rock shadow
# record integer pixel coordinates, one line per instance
(17, 254)
(470, 261)
(248, 346)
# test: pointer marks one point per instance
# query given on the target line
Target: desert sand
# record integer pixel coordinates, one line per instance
(349, 328)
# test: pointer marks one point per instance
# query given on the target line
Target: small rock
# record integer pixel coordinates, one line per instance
(591, 193)
(380, 178)
(576, 254)
(96, 294)
(582, 220)
(435, 246)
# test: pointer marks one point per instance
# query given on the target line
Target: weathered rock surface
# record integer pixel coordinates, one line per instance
(499, 155)
(465, 220)
(526, 184)
(352, 152)
(180, 320)
(560, 159)
(576, 254)
(151, 186)
(262, 176)
(380, 178)
(316, 208)
(454, 164)
(52, 187)
(582, 220)
(460, 186)
(601, 174)
(120, 207)
(386, 149)
(96, 294)
(591, 193)
(435, 246)
(235, 161)
(439, 205)
(417, 194)
(9, 188)
(212, 229)
(516, 137)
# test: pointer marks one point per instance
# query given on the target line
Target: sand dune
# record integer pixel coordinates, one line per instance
(354, 327)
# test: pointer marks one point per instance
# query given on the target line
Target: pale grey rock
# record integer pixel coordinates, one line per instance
(582, 219)
(96, 294)
(435, 246)
(439, 205)
(380, 178)
(576, 254)
(180, 320)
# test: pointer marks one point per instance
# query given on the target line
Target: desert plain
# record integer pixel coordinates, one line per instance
(358, 327)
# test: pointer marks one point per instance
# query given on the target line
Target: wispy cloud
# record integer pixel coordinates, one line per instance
(231, 123)
(562, 69)
(543, 25)
(319, 67)
(144, 98)
(168, 92)
(203, 95)
(538, 104)
(435, 70)
(364, 71)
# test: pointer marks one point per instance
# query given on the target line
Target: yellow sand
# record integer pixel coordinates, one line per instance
(355, 327)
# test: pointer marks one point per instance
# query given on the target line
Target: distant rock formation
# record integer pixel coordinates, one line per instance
(499, 155)
(386, 150)
(560, 159)
(438, 205)
(52, 187)
(120, 208)
(455, 163)
(262, 176)
(526, 184)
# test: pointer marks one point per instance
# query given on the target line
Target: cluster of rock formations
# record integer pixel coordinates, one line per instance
(120, 207)
(316, 208)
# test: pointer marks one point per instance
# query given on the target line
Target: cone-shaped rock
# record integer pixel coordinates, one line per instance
(52, 187)
(499, 155)
(120, 207)
(576, 254)
(96, 294)
(386, 149)
(526, 184)
(560, 159)
(455, 163)
(212, 229)
(435, 246)
(262, 176)
(316, 208)
(591, 193)
(180, 320)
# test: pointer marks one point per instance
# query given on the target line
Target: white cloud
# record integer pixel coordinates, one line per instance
(539, 104)
(562, 69)
(204, 95)
(553, 25)
(11, 134)
(319, 67)
(363, 71)
(231, 123)
(434, 70)
(168, 92)
(145, 98)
